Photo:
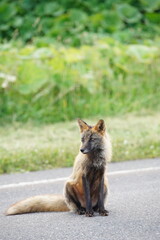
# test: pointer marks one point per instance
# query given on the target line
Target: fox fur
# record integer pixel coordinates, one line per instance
(86, 189)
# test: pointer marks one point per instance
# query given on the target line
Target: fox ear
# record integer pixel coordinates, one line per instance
(100, 126)
(83, 125)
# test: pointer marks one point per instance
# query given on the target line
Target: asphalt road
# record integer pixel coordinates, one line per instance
(133, 203)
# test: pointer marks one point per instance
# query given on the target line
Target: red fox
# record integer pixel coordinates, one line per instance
(85, 191)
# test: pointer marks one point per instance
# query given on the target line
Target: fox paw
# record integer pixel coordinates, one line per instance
(81, 211)
(89, 213)
(103, 212)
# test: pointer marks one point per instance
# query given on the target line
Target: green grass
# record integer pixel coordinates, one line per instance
(29, 147)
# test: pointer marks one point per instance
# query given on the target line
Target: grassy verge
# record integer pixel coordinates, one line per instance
(26, 147)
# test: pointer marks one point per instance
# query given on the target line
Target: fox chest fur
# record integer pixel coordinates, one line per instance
(94, 169)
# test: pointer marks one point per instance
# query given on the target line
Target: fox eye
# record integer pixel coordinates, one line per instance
(92, 139)
(82, 139)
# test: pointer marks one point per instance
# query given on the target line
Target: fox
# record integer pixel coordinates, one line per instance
(86, 190)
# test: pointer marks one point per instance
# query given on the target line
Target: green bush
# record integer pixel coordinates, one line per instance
(51, 84)
(68, 21)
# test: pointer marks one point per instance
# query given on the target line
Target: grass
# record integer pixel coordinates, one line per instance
(29, 147)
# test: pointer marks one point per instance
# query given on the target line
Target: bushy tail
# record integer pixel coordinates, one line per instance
(42, 203)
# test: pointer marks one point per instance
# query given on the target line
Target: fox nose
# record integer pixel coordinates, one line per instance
(82, 150)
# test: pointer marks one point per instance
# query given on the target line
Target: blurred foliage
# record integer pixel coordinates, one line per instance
(76, 22)
(51, 84)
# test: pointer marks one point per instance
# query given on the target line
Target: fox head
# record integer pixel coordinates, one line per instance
(92, 137)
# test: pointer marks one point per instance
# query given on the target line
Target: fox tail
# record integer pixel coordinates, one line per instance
(42, 203)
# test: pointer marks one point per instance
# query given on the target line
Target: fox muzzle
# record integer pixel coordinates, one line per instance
(84, 151)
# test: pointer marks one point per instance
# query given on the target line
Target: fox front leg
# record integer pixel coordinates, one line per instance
(101, 197)
(89, 210)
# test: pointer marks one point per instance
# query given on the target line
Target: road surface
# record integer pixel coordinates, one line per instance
(133, 203)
